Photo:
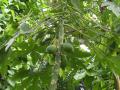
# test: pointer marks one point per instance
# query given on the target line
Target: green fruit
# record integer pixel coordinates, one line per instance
(51, 49)
(67, 47)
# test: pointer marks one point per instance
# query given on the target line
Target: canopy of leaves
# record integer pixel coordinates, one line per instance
(28, 27)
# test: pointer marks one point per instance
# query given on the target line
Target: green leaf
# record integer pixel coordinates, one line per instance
(4, 60)
(80, 53)
(114, 62)
(80, 75)
(35, 56)
(21, 74)
(77, 4)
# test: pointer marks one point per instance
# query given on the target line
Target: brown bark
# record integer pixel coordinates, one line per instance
(117, 82)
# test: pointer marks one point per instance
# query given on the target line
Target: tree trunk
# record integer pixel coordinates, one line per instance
(56, 66)
(117, 82)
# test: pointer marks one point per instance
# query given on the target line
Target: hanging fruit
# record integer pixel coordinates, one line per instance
(51, 49)
(67, 47)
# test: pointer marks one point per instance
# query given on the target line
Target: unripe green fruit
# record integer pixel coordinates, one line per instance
(51, 49)
(67, 47)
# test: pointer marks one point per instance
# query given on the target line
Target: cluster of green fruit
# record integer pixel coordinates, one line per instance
(66, 47)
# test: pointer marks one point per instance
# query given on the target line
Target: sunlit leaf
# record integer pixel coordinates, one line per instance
(113, 7)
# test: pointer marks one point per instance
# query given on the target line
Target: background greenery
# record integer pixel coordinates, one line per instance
(28, 27)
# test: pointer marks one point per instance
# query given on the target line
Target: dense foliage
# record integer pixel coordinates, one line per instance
(59, 44)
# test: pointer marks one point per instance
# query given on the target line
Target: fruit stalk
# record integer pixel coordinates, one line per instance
(56, 66)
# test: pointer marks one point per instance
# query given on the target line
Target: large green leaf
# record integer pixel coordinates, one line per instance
(114, 62)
